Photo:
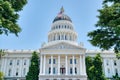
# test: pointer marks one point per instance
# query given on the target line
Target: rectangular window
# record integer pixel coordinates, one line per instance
(116, 71)
(49, 61)
(108, 70)
(49, 70)
(53, 61)
(54, 70)
(75, 61)
(9, 72)
(16, 72)
(75, 70)
(10, 62)
(18, 62)
(25, 62)
(115, 63)
(107, 62)
(70, 61)
(70, 70)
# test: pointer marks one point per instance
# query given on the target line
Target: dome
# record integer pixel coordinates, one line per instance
(62, 16)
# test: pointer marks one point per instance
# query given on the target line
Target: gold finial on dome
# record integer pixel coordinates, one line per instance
(62, 10)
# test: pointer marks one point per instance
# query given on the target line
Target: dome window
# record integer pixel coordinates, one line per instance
(56, 27)
(59, 26)
(65, 37)
(65, 26)
(59, 37)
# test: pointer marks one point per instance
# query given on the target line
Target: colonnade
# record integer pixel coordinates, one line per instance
(81, 61)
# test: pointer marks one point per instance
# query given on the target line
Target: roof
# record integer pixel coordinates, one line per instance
(62, 16)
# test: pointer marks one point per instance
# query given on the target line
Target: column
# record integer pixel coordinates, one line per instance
(73, 65)
(112, 65)
(21, 66)
(41, 64)
(58, 64)
(80, 65)
(66, 64)
(2, 62)
(44, 64)
(51, 65)
(84, 65)
(5, 66)
(13, 69)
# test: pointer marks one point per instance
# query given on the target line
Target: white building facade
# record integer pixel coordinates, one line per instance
(62, 58)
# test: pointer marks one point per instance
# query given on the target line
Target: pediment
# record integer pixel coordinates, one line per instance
(61, 45)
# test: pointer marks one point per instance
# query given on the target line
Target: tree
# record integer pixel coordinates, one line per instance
(107, 34)
(1, 76)
(94, 68)
(9, 15)
(34, 68)
(2, 53)
(116, 77)
(89, 67)
(98, 71)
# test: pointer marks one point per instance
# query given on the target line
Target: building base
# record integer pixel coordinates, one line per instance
(62, 77)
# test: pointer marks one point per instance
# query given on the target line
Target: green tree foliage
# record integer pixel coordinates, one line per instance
(1, 76)
(2, 53)
(98, 71)
(34, 68)
(89, 67)
(9, 15)
(107, 34)
(94, 68)
(116, 77)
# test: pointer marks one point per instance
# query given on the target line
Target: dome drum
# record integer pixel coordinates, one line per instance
(54, 36)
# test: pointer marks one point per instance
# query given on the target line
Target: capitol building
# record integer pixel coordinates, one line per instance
(61, 58)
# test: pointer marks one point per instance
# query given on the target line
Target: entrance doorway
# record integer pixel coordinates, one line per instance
(62, 70)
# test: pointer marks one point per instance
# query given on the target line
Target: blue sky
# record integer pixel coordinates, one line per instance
(37, 16)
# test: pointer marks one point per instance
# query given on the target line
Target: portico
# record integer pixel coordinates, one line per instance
(62, 64)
